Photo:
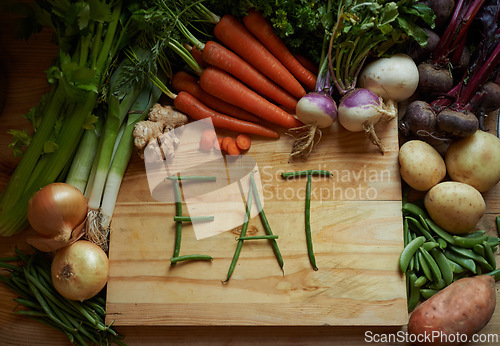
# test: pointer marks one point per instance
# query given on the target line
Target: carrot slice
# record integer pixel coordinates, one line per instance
(210, 135)
(243, 142)
(206, 144)
(225, 143)
(218, 143)
(232, 149)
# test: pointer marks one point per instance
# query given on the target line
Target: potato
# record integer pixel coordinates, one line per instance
(475, 160)
(422, 166)
(456, 207)
(454, 313)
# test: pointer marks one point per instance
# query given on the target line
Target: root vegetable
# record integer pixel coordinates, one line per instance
(57, 212)
(360, 110)
(461, 309)
(394, 78)
(161, 119)
(456, 207)
(419, 122)
(457, 123)
(80, 271)
(422, 167)
(433, 79)
(475, 160)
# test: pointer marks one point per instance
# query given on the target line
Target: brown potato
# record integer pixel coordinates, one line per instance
(421, 166)
(456, 207)
(454, 313)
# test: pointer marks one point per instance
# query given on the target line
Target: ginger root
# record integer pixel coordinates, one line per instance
(161, 119)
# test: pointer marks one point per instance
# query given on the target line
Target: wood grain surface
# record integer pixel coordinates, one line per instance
(26, 63)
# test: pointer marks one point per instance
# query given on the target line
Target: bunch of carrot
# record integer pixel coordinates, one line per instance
(248, 78)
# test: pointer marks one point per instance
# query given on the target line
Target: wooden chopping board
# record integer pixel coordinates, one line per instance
(357, 233)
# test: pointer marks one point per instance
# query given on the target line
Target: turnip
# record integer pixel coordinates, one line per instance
(360, 110)
(317, 110)
(394, 78)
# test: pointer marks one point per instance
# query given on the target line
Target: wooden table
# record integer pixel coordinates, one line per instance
(26, 63)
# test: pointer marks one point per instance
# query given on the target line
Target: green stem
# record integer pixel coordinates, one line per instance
(193, 218)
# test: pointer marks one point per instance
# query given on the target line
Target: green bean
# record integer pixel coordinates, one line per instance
(178, 224)
(479, 249)
(258, 237)
(28, 303)
(242, 234)
(316, 172)
(433, 266)
(409, 251)
(424, 266)
(421, 229)
(475, 234)
(413, 209)
(414, 295)
(310, 250)
(498, 224)
(406, 232)
(439, 285)
(495, 273)
(439, 231)
(465, 262)
(430, 245)
(426, 293)
(191, 258)
(443, 244)
(444, 266)
(192, 178)
(193, 218)
(469, 242)
(455, 267)
(472, 255)
(490, 257)
(9, 266)
(265, 222)
(422, 280)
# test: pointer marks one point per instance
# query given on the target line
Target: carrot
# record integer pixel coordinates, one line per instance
(224, 86)
(232, 149)
(206, 144)
(260, 28)
(210, 135)
(192, 107)
(236, 37)
(198, 56)
(243, 142)
(219, 56)
(225, 142)
(308, 64)
(183, 81)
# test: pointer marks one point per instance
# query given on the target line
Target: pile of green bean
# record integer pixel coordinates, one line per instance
(433, 258)
(82, 322)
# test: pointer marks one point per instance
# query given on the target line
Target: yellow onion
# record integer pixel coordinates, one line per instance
(57, 212)
(80, 270)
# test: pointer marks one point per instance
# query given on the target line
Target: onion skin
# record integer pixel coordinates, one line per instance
(57, 212)
(80, 271)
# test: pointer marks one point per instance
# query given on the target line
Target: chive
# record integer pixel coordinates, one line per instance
(193, 218)
(243, 232)
(310, 249)
(316, 172)
(265, 222)
(498, 224)
(192, 178)
(258, 237)
(178, 224)
(191, 258)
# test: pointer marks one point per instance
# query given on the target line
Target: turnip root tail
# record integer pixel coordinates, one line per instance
(369, 129)
(306, 138)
